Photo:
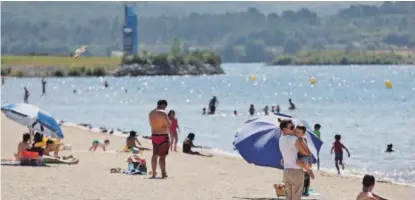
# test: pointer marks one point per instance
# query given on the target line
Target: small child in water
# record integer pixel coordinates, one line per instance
(99, 143)
(305, 161)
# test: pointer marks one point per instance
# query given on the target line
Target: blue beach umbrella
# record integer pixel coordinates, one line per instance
(34, 118)
(257, 141)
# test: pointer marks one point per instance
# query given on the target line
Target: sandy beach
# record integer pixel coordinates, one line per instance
(190, 177)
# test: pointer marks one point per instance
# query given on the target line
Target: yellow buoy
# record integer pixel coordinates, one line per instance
(313, 81)
(388, 84)
(252, 77)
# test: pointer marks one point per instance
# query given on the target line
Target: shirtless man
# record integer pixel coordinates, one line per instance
(368, 185)
(160, 132)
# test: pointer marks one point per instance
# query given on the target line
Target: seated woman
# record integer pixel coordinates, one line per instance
(37, 144)
(188, 144)
(23, 145)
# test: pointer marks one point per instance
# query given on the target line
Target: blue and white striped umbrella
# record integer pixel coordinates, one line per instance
(257, 141)
(34, 118)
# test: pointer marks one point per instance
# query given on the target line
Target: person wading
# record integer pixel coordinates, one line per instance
(160, 134)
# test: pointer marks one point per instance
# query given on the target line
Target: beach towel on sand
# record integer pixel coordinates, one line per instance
(12, 162)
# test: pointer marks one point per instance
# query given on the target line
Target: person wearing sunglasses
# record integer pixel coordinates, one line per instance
(293, 174)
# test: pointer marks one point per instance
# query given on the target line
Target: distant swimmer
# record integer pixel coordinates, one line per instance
(74, 91)
(277, 109)
(389, 148)
(213, 104)
(204, 111)
(252, 110)
(266, 110)
(292, 105)
(235, 113)
(106, 84)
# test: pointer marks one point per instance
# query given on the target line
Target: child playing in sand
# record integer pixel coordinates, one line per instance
(338, 152)
(99, 143)
(304, 160)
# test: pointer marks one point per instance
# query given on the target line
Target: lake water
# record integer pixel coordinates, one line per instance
(347, 100)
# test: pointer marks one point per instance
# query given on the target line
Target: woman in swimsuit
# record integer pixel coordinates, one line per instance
(174, 127)
(188, 145)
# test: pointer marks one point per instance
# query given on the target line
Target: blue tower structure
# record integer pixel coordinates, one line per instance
(130, 30)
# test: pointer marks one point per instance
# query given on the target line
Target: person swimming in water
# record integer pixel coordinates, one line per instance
(235, 113)
(277, 109)
(389, 148)
(188, 145)
(203, 111)
(292, 105)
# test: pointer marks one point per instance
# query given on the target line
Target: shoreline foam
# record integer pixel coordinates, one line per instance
(217, 151)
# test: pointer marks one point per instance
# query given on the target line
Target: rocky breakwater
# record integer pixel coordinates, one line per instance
(194, 63)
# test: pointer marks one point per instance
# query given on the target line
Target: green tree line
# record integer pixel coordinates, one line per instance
(244, 36)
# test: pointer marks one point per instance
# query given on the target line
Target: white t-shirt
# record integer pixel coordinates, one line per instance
(289, 151)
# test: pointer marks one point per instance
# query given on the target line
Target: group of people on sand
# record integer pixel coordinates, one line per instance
(297, 162)
(35, 145)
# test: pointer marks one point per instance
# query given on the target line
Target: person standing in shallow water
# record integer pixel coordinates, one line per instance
(266, 110)
(43, 86)
(292, 105)
(26, 95)
(318, 134)
(213, 104)
(160, 134)
(251, 110)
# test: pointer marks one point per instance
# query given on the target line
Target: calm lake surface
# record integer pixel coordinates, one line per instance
(347, 100)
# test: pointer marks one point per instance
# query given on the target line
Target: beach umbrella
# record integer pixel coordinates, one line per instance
(257, 141)
(34, 118)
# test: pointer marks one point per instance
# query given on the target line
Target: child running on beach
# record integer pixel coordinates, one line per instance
(338, 152)
(99, 143)
(304, 161)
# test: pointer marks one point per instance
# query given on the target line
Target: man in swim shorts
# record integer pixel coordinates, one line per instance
(160, 131)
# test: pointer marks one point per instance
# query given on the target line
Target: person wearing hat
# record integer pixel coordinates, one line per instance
(368, 185)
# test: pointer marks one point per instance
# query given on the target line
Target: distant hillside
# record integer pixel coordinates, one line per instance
(88, 10)
(247, 32)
